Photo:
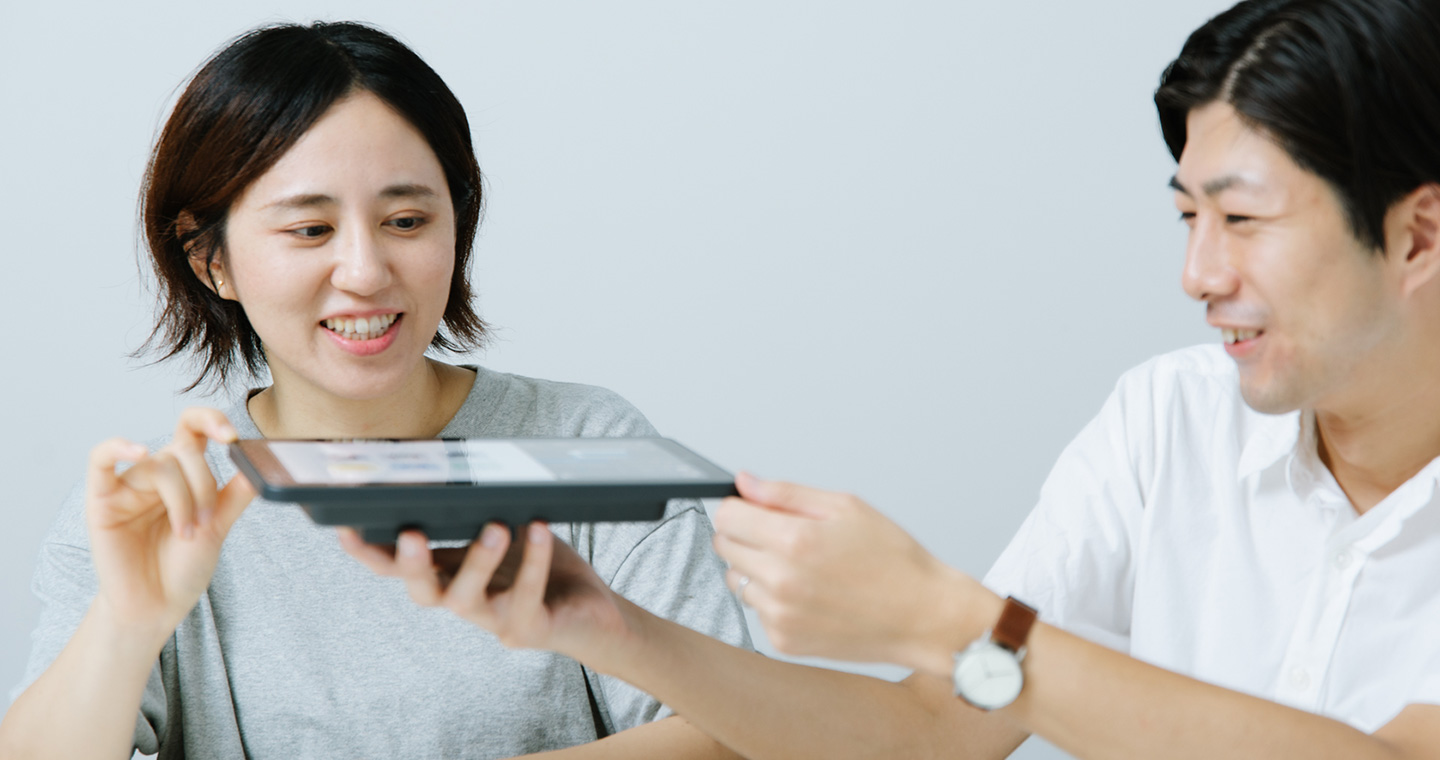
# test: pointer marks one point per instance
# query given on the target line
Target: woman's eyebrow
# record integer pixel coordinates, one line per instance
(311, 200)
(408, 190)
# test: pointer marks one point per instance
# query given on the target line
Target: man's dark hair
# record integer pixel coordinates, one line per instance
(239, 114)
(1350, 89)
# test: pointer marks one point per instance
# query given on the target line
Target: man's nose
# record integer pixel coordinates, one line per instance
(1209, 273)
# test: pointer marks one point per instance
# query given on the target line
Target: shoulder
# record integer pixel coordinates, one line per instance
(505, 404)
(1191, 385)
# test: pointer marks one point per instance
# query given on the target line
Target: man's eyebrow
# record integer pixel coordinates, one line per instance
(1215, 186)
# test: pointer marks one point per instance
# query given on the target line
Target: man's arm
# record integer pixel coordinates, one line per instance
(796, 544)
(1095, 702)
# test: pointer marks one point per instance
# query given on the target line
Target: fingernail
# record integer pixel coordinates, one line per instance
(410, 546)
(491, 536)
(187, 531)
(206, 516)
(537, 533)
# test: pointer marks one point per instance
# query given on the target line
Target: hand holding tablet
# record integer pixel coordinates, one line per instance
(450, 488)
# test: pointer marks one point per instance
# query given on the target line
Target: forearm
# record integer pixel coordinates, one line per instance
(86, 703)
(764, 708)
(671, 737)
(1094, 702)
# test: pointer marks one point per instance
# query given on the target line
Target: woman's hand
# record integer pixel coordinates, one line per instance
(156, 528)
(553, 600)
(830, 576)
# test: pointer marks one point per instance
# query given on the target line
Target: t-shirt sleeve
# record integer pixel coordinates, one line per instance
(65, 585)
(1074, 556)
(673, 573)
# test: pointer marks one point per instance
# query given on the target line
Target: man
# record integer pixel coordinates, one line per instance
(1253, 538)
(1239, 557)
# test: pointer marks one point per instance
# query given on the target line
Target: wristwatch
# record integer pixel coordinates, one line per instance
(987, 673)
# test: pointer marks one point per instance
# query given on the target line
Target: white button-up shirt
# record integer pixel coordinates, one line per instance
(1188, 530)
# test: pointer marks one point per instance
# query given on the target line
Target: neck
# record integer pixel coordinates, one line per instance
(1373, 450)
(420, 408)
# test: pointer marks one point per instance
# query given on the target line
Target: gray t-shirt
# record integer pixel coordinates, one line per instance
(297, 650)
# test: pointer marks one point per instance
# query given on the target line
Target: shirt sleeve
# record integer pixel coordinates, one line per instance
(1428, 690)
(65, 585)
(672, 572)
(1074, 557)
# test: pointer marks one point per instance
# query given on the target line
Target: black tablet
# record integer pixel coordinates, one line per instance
(449, 488)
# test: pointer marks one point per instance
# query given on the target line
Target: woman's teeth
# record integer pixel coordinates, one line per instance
(1235, 336)
(361, 329)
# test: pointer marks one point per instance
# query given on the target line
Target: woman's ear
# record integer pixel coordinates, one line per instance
(209, 270)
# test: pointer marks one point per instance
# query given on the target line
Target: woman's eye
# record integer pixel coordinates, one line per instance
(312, 232)
(1187, 216)
(1235, 218)
(406, 223)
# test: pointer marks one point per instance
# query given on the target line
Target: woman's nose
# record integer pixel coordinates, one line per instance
(361, 266)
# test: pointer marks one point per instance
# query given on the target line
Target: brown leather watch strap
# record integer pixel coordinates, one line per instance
(1014, 626)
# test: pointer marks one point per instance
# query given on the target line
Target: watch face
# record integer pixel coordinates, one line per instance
(988, 675)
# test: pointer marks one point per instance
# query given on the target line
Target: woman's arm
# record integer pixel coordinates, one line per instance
(823, 570)
(756, 706)
(155, 536)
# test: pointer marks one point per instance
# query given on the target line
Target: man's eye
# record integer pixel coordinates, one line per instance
(1187, 216)
(1235, 218)
(406, 223)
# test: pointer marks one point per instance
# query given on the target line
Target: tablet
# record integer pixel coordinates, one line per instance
(450, 488)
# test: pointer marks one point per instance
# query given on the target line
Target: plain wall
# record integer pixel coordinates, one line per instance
(901, 249)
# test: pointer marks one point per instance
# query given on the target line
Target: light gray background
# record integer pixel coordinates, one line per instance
(901, 249)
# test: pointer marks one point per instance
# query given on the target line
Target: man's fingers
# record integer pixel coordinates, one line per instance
(100, 479)
(412, 557)
(755, 525)
(778, 494)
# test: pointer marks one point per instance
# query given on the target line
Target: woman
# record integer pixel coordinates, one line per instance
(310, 208)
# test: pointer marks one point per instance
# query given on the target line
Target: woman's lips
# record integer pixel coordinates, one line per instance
(360, 343)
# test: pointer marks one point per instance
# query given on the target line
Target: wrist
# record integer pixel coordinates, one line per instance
(618, 654)
(963, 610)
(127, 635)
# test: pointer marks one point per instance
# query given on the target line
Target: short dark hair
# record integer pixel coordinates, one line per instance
(1350, 89)
(238, 115)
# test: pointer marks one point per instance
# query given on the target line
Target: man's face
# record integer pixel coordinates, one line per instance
(1301, 304)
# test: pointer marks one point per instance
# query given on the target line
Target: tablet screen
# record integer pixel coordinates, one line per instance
(480, 461)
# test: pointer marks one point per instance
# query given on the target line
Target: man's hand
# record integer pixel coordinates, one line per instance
(830, 576)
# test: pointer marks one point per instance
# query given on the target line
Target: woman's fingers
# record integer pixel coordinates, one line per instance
(528, 593)
(378, 560)
(101, 480)
(198, 425)
(412, 558)
(231, 501)
(469, 592)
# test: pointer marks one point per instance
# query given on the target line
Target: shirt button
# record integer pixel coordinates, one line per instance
(1299, 678)
(1343, 559)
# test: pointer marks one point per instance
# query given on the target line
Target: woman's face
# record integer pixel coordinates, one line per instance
(342, 253)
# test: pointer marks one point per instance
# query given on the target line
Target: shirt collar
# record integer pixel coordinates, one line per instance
(1275, 439)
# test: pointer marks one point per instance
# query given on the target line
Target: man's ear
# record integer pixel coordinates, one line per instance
(1412, 235)
(210, 273)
